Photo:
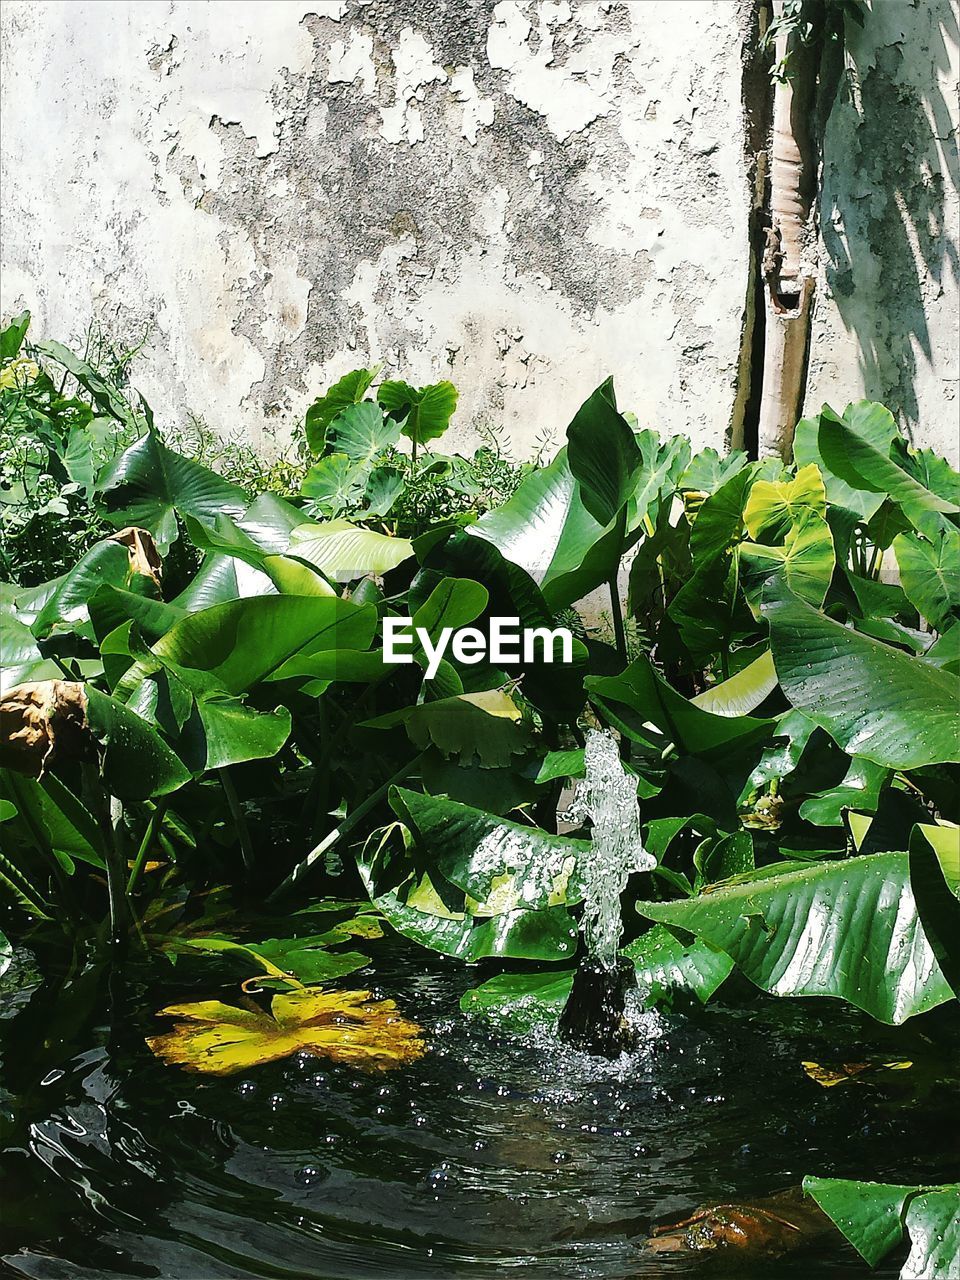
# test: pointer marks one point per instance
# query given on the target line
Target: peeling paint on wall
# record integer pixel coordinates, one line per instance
(522, 197)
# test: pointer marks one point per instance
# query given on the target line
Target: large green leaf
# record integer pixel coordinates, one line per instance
(518, 1002)
(136, 762)
(208, 729)
(640, 697)
(656, 480)
(351, 389)
(13, 334)
(556, 688)
(860, 790)
(485, 726)
(453, 603)
(806, 561)
(344, 551)
(935, 878)
(547, 530)
(244, 641)
(220, 579)
(930, 574)
(110, 607)
(667, 963)
(707, 470)
(603, 455)
(875, 701)
(335, 483)
(149, 485)
(21, 656)
(425, 411)
(48, 815)
(872, 424)
(516, 935)
(873, 1216)
(501, 865)
(65, 599)
(257, 543)
(775, 506)
(362, 432)
(863, 466)
(848, 929)
(718, 525)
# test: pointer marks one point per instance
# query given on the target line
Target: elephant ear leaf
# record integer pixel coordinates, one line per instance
(864, 467)
(873, 424)
(65, 720)
(935, 879)
(930, 575)
(863, 940)
(363, 432)
(873, 700)
(873, 1216)
(603, 454)
(425, 411)
(350, 390)
(149, 485)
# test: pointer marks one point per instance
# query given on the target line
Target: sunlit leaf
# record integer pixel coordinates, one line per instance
(873, 1215)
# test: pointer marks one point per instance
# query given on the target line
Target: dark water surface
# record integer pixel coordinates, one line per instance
(493, 1156)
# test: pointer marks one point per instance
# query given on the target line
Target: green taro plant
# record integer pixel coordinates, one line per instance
(356, 431)
(198, 715)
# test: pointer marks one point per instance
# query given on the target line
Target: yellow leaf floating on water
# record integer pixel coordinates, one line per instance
(830, 1076)
(348, 1026)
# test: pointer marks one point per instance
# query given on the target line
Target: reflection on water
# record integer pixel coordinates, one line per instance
(490, 1156)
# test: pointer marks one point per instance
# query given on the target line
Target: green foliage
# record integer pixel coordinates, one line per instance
(354, 430)
(874, 1216)
(787, 708)
(60, 421)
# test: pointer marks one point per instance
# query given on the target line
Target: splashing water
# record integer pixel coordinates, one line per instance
(608, 796)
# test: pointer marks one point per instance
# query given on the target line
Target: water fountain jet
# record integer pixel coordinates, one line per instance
(593, 1017)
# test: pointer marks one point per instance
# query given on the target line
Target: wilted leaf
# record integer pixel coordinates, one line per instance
(141, 551)
(348, 1026)
(764, 1228)
(830, 1077)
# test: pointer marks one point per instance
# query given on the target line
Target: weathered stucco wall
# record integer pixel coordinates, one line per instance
(886, 320)
(522, 197)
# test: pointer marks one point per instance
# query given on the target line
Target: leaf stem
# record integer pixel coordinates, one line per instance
(243, 831)
(346, 826)
(620, 634)
(140, 860)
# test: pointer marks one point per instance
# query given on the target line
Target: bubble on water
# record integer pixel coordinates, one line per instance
(561, 1157)
(275, 1101)
(246, 1088)
(310, 1175)
(438, 1179)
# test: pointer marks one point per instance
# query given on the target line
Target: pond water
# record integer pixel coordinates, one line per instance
(491, 1156)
